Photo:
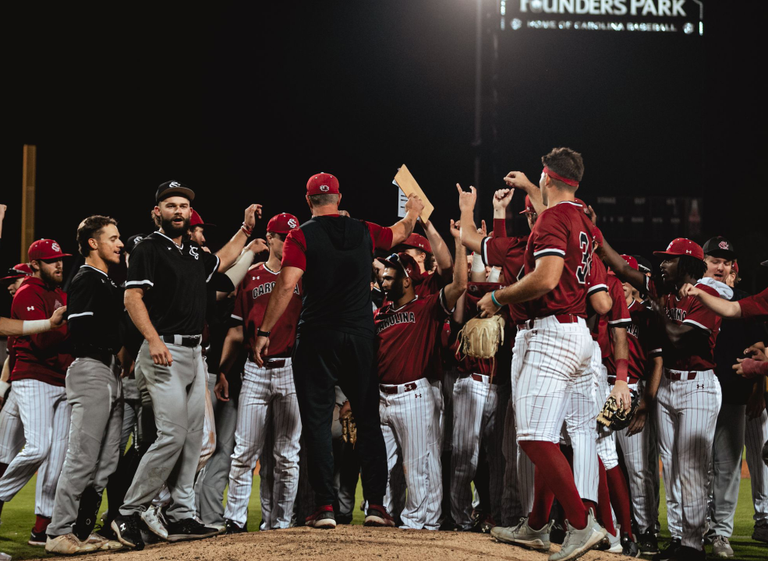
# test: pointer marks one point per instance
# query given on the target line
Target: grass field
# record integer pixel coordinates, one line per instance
(18, 518)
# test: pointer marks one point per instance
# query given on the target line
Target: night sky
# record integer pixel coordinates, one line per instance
(244, 101)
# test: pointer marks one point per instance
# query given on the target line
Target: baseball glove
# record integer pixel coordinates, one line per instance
(481, 337)
(614, 417)
(348, 428)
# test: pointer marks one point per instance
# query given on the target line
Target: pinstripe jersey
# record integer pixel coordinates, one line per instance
(563, 231)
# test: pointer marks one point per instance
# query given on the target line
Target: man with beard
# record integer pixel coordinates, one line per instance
(38, 394)
(165, 296)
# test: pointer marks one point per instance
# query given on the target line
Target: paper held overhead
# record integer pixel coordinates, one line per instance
(407, 184)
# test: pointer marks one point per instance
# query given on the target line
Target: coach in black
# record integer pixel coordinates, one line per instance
(333, 255)
(165, 296)
(94, 391)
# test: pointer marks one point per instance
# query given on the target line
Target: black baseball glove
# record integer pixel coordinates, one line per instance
(615, 417)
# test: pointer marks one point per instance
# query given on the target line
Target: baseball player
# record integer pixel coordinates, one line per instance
(268, 390)
(332, 255)
(689, 394)
(644, 369)
(166, 297)
(407, 330)
(37, 380)
(555, 350)
(480, 398)
(94, 391)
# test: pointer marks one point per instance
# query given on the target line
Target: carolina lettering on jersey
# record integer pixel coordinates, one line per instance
(563, 231)
(407, 338)
(252, 299)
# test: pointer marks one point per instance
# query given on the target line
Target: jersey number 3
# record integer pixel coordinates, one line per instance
(585, 244)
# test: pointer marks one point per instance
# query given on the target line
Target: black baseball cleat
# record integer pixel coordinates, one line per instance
(377, 515)
(189, 529)
(233, 528)
(127, 531)
(648, 543)
(669, 552)
(38, 539)
(322, 518)
(628, 546)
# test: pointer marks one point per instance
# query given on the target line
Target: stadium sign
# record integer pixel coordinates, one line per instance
(654, 16)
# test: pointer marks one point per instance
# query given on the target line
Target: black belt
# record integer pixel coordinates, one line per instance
(190, 341)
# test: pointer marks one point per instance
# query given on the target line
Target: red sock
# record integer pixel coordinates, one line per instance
(619, 491)
(542, 501)
(41, 524)
(556, 474)
(603, 512)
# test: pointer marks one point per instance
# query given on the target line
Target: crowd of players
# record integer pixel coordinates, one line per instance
(168, 390)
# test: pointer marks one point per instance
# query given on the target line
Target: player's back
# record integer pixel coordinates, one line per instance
(563, 231)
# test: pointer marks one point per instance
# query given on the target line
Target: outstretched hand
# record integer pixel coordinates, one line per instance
(467, 199)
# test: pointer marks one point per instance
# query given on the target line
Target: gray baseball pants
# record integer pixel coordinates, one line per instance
(94, 392)
(178, 401)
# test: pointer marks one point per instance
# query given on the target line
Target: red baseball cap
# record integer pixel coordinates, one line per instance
(282, 223)
(418, 241)
(631, 261)
(322, 184)
(42, 250)
(528, 206)
(196, 220)
(405, 263)
(682, 246)
(17, 272)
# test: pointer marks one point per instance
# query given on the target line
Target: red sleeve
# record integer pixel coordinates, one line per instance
(755, 306)
(619, 314)
(701, 316)
(494, 250)
(380, 236)
(499, 228)
(551, 236)
(597, 280)
(294, 250)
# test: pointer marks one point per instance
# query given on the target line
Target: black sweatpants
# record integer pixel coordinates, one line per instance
(321, 361)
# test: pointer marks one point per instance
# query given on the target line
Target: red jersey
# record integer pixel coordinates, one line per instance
(689, 311)
(251, 303)
(408, 338)
(617, 316)
(500, 367)
(563, 231)
(641, 343)
(509, 254)
(45, 356)
(755, 306)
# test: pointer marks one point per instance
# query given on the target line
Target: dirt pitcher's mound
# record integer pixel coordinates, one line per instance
(345, 543)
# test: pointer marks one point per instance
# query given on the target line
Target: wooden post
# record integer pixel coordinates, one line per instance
(29, 178)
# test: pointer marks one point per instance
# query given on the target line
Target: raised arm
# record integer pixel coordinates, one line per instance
(231, 251)
(440, 250)
(620, 267)
(518, 180)
(471, 238)
(404, 228)
(457, 287)
(720, 306)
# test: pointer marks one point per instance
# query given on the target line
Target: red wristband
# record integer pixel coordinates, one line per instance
(622, 366)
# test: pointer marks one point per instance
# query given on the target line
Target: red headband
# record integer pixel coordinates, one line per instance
(553, 175)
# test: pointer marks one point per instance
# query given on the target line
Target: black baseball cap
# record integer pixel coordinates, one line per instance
(719, 247)
(643, 264)
(171, 188)
(132, 242)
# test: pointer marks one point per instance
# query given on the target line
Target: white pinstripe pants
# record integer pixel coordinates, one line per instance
(11, 430)
(687, 414)
(44, 414)
(475, 405)
(407, 423)
(641, 472)
(755, 435)
(555, 385)
(266, 391)
(606, 440)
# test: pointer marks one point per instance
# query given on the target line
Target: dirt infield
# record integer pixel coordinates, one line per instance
(345, 542)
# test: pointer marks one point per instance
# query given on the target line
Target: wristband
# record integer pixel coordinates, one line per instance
(246, 230)
(494, 275)
(4, 387)
(493, 299)
(260, 333)
(477, 263)
(33, 326)
(622, 366)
